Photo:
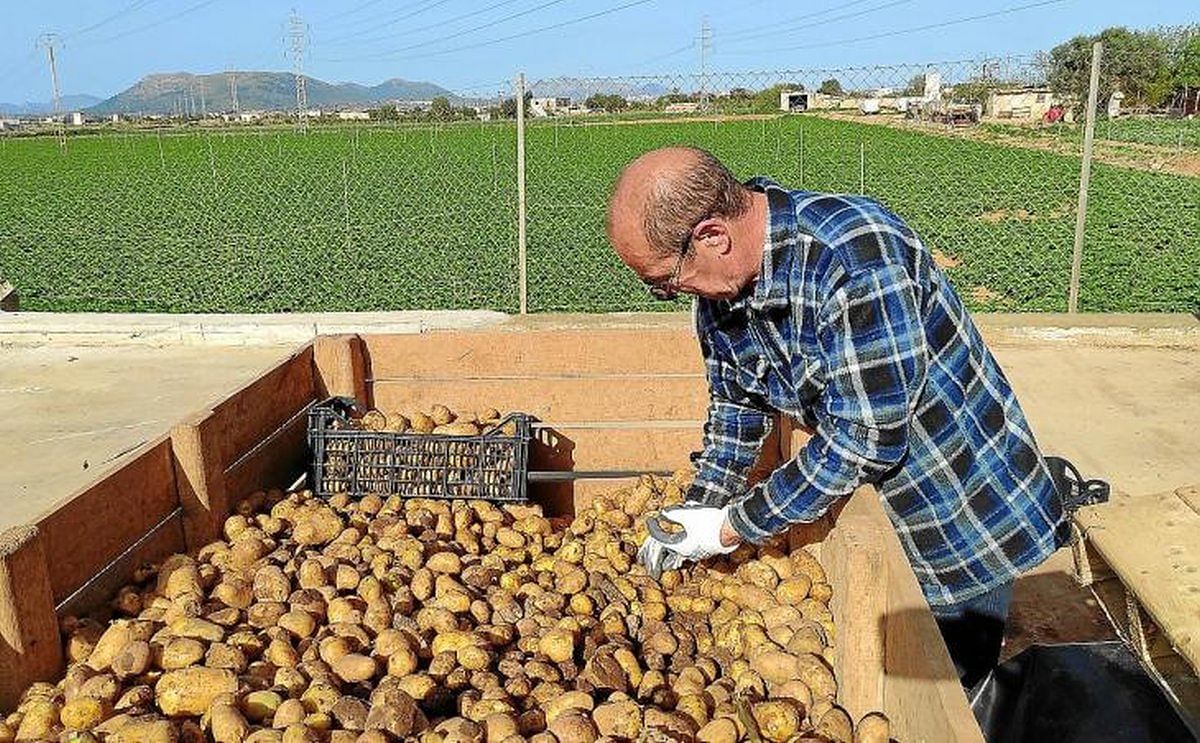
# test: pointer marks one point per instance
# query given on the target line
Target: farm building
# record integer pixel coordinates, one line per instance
(1020, 103)
(552, 106)
(682, 108)
(353, 115)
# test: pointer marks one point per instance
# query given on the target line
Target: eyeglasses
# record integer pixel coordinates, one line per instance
(668, 289)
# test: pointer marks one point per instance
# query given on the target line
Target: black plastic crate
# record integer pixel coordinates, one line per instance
(491, 466)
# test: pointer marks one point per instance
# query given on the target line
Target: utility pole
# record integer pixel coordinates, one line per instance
(203, 99)
(233, 91)
(49, 41)
(705, 50)
(298, 36)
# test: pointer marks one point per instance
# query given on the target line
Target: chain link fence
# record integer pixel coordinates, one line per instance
(982, 157)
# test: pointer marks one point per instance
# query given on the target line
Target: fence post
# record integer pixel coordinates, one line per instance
(522, 275)
(1085, 177)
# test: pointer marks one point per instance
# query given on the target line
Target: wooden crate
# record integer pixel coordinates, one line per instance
(1140, 556)
(613, 400)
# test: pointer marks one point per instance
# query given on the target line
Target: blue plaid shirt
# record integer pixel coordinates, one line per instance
(853, 330)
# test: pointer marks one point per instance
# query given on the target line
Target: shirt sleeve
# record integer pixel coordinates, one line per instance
(733, 436)
(872, 342)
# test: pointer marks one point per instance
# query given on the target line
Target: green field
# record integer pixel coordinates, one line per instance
(400, 218)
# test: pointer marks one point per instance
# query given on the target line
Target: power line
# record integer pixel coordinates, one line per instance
(805, 16)
(155, 24)
(131, 8)
(351, 11)
(455, 35)
(531, 32)
(377, 25)
(914, 29)
(794, 28)
(435, 24)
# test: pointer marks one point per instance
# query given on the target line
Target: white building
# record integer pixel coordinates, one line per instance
(77, 118)
(554, 106)
(354, 116)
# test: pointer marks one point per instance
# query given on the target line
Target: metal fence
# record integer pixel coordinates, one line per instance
(982, 157)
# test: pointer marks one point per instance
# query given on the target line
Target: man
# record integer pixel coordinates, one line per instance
(829, 309)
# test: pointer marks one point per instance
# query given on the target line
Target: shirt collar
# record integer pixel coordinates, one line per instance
(771, 289)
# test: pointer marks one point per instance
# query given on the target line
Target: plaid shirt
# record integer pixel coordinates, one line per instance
(853, 330)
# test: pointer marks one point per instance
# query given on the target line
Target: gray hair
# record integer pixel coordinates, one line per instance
(676, 204)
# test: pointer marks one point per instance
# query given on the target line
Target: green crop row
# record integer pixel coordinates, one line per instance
(379, 218)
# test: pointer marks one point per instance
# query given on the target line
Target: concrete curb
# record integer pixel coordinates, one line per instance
(100, 329)
(95, 329)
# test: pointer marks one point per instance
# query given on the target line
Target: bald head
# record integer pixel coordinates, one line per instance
(661, 196)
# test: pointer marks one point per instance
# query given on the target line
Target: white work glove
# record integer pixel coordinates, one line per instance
(697, 538)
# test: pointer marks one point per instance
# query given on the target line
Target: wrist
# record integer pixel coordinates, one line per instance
(729, 537)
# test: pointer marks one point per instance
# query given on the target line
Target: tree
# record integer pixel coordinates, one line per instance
(1134, 62)
(766, 101)
(440, 109)
(387, 112)
(607, 102)
(831, 87)
(508, 107)
(975, 90)
(915, 87)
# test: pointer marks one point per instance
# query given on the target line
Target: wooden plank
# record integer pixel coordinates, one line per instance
(29, 644)
(165, 540)
(113, 513)
(199, 462)
(858, 570)
(639, 449)
(341, 367)
(556, 399)
(276, 463)
(245, 417)
(534, 352)
(921, 692)
(1152, 543)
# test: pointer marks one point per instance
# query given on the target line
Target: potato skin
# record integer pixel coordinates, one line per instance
(339, 619)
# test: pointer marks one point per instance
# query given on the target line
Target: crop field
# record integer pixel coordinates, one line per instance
(1172, 133)
(377, 218)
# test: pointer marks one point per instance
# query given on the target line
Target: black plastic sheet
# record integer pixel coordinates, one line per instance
(1080, 693)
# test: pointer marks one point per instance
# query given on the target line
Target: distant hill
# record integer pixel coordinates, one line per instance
(256, 91)
(67, 104)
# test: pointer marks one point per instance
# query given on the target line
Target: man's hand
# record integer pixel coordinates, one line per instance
(701, 532)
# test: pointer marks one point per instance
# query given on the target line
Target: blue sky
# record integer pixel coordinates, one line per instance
(107, 46)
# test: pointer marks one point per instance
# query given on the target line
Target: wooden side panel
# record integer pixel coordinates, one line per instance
(1162, 572)
(921, 693)
(29, 644)
(241, 420)
(113, 513)
(534, 353)
(341, 367)
(167, 539)
(857, 567)
(275, 463)
(575, 399)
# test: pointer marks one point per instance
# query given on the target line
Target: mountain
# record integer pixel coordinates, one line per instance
(44, 108)
(256, 91)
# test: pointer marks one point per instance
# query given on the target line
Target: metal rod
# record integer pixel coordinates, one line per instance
(591, 475)
(1085, 177)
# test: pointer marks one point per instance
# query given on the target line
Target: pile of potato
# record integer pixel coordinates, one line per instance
(438, 621)
(439, 420)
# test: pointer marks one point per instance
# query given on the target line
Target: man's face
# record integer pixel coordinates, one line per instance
(707, 270)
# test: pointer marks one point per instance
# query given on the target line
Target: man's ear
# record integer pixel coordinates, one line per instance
(712, 234)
